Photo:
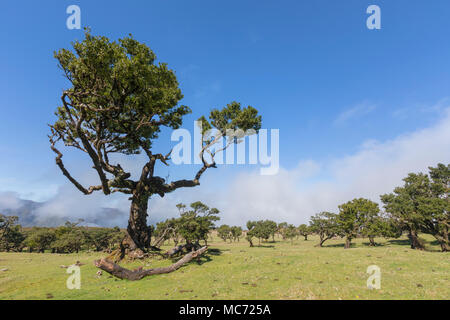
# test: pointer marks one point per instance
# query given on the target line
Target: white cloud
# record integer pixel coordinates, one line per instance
(357, 111)
(291, 195)
(9, 200)
(377, 168)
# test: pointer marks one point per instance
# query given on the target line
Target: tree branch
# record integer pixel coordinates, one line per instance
(60, 164)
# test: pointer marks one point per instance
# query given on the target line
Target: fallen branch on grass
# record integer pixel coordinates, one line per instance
(138, 274)
(183, 247)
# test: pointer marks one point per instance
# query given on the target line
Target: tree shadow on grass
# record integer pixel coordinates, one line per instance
(400, 242)
(264, 246)
(377, 244)
(336, 245)
(207, 256)
(435, 243)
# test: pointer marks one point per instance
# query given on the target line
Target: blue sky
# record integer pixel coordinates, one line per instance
(312, 69)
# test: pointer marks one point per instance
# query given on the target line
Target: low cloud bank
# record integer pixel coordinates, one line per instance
(291, 195)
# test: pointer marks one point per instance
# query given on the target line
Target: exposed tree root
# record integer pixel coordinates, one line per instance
(128, 250)
(138, 274)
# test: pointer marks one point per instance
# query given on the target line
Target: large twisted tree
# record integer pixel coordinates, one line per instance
(118, 101)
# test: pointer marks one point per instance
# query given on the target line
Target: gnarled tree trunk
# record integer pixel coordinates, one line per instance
(137, 241)
(348, 242)
(416, 243)
(443, 240)
(137, 223)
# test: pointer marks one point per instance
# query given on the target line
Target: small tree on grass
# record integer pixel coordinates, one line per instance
(304, 231)
(194, 225)
(69, 238)
(167, 230)
(280, 229)
(354, 216)
(435, 209)
(272, 227)
(236, 232)
(11, 237)
(290, 232)
(403, 207)
(325, 225)
(422, 205)
(262, 230)
(376, 226)
(40, 239)
(103, 238)
(224, 232)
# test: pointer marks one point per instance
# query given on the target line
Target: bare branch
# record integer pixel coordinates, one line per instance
(60, 164)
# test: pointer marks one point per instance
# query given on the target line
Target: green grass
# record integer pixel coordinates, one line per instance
(277, 270)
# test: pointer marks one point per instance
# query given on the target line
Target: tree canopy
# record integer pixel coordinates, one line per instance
(119, 100)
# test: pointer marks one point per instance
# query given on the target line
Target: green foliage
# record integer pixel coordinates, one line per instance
(422, 205)
(105, 239)
(116, 86)
(40, 239)
(195, 224)
(13, 239)
(325, 225)
(118, 101)
(356, 215)
(224, 232)
(192, 225)
(167, 230)
(262, 230)
(304, 231)
(231, 119)
(280, 228)
(69, 238)
(236, 232)
(290, 232)
(72, 238)
(11, 236)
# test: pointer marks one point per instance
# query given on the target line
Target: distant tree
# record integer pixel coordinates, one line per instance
(304, 231)
(259, 229)
(6, 223)
(422, 205)
(376, 226)
(435, 209)
(325, 225)
(354, 216)
(69, 238)
(195, 224)
(272, 227)
(103, 238)
(403, 206)
(290, 232)
(13, 240)
(40, 239)
(68, 243)
(280, 229)
(118, 102)
(167, 230)
(224, 232)
(11, 236)
(236, 232)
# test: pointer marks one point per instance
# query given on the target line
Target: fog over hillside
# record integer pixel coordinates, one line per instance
(28, 213)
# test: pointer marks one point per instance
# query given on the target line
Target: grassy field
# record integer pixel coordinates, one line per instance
(279, 270)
